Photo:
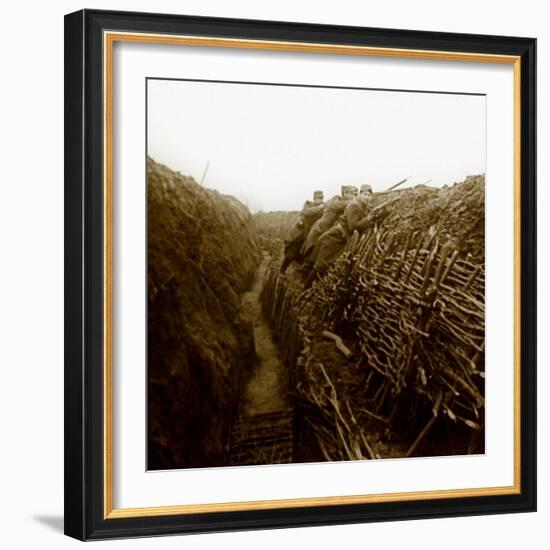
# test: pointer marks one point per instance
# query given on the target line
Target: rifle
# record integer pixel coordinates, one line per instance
(371, 217)
(395, 185)
(384, 204)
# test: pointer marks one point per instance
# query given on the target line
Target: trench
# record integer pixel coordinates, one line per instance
(266, 391)
(263, 430)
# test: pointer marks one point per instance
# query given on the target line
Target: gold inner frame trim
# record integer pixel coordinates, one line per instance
(109, 39)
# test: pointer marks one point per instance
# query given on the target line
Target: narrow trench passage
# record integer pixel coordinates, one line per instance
(263, 432)
(266, 390)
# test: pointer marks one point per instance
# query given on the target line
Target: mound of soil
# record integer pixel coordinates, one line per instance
(202, 254)
(456, 212)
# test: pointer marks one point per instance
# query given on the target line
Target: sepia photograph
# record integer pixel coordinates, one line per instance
(315, 273)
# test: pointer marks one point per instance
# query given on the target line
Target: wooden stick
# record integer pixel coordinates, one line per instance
(372, 454)
(375, 416)
(398, 184)
(324, 451)
(429, 425)
(421, 436)
(205, 171)
(339, 343)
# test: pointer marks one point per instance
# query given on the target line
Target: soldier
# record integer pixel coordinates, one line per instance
(356, 217)
(311, 211)
(349, 192)
(365, 190)
(334, 209)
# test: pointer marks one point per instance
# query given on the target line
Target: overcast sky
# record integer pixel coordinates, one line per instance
(272, 146)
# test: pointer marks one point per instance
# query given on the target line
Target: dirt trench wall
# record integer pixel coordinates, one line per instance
(202, 254)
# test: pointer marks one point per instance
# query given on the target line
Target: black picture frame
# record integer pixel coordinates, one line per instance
(85, 516)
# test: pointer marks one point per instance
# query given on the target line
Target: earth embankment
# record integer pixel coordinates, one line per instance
(202, 255)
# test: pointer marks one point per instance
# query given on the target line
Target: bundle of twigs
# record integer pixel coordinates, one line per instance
(416, 313)
(407, 297)
(336, 429)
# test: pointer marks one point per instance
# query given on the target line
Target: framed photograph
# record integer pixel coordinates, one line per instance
(300, 274)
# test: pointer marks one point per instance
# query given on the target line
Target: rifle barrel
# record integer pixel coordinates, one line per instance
(384, 204)
(398, 184)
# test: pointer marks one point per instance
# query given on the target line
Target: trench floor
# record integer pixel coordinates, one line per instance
(266, 391)
(263, 432)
